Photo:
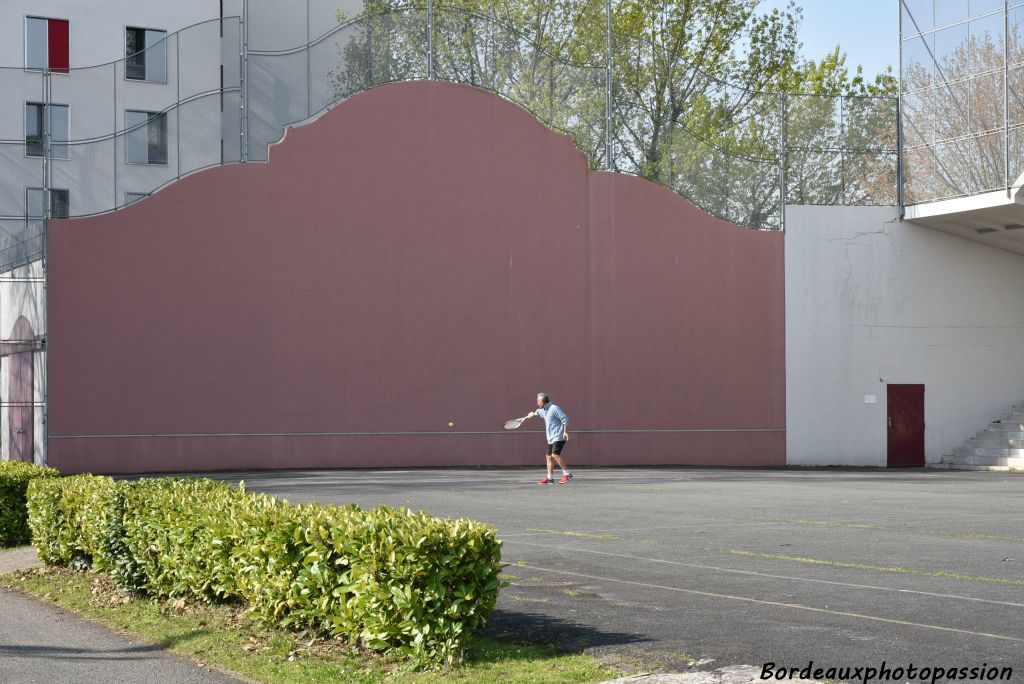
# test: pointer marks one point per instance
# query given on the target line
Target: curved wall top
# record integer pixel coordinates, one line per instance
(423, 254)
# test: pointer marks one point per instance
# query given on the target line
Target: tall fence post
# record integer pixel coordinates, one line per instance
(47, 214)
(47, 116)
(1006, 99)
(899, 118)
(430, 39)
(842, 151)
(782, 161)
(177, 100)
(609, 156)
(309, 62)
(243, 77)
(899, 154)
(113, 131)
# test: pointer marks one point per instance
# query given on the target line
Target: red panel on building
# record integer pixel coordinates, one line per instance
(58, 44)
(423, 254)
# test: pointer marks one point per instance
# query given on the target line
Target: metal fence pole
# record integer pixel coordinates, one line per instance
(177, 107)
(309, 63)
(113, 133)
(243, 76)
(609, 156)
(782, 161)
(47, 156)
(47, 214)
(430, 39)
(1006, 98)
(899, 155)
(842, 150)
(899, 117)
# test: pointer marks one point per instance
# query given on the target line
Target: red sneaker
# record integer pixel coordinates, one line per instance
(565, 478)
(546, 480)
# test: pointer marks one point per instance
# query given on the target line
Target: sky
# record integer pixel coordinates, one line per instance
(866, 30)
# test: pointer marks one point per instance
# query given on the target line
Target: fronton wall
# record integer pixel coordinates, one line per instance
(423, 254)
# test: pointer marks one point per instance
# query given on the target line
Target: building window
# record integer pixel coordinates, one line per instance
(147, 137)
(46, 44)
(145, 52)
(60, 203)
(59, 129)
(133, 197)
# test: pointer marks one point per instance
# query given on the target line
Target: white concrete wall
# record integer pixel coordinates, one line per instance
(21, 294)
(871, 301)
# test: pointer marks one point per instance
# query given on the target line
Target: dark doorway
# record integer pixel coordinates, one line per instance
(906, 426)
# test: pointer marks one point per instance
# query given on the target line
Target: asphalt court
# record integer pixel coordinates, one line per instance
(663, 568)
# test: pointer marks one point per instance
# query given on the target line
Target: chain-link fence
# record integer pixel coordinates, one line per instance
(95, 139)
(962, 91)
(730, 151)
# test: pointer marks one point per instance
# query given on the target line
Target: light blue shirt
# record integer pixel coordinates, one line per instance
(555, 421)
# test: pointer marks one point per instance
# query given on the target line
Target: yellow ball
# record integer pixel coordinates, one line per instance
(450, 424)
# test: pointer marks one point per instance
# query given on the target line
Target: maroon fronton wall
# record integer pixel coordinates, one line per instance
(424, 253)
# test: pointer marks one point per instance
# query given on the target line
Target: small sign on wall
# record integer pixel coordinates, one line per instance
(870, 399)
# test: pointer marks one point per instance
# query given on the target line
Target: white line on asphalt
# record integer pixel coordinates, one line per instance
(643, 529)
(778, 604)
(782, 577)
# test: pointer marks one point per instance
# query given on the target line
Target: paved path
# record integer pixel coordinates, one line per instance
(21, 558)
(42, 644)
(676, 569)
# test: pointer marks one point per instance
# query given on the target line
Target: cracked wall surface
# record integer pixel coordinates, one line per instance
(872, 301)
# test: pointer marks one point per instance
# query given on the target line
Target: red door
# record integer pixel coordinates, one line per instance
(906, 426)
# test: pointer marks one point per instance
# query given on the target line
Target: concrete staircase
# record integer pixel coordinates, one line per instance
(1000, 446)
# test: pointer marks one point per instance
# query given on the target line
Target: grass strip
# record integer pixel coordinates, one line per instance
(226, 638)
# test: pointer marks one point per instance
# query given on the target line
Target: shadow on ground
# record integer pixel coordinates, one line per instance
(544, 630)
(623, 651)
(144, 652)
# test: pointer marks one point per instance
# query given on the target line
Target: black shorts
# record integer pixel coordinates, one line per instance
(556, 448)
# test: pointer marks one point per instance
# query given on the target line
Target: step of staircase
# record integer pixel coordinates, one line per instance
(984, 459)
(1007, 426)
(1000, 446)
(993, 452)
(999, 434)
(994, 442)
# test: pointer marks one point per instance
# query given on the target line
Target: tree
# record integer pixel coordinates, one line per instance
(954, 116)
(696, 83)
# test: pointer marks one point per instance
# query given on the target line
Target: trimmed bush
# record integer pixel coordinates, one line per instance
(392, 580)
(68, 517)
(15, 477)
(389, 579)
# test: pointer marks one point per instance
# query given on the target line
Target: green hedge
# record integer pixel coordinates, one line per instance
(387, 579)
(14, 479)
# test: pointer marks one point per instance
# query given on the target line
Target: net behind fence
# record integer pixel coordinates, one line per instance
(99, 138)
(962, 89)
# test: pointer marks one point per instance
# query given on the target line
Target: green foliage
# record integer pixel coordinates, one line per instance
(15, 477)
(391, 580)
(709, 98)
(68, 517)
